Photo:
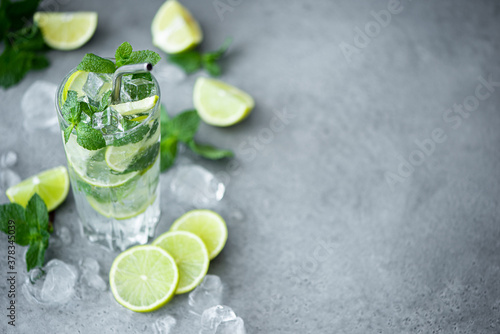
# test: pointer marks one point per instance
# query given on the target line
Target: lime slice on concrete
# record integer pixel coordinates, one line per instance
(190, 255)
(66, 31)
(206, 224)
(75, 82)
(220, 104)
(143, 278)
(174, 29)
(136, 107)
(52, 185)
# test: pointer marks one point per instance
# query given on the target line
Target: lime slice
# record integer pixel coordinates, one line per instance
(121, 212)
(206, 224)
(143, 278)
(66, 31)
(190, 255)
(118, 158)
(174, 29)
(220, 104)
(75, 82)
(52, 185)
(91, 166)
(136, 107)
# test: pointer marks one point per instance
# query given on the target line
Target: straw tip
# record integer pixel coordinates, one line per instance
(149, 66)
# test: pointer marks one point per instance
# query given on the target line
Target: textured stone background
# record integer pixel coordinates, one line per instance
(326, 235)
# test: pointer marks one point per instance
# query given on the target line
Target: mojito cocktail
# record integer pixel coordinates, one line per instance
(112, 144)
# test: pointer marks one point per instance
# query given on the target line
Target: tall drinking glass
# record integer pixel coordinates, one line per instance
(116, 187)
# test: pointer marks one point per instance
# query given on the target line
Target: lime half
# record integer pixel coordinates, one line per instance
(206, 224)
(143, 278)
(174, 29)
(220, 104)
(190, 255)
(136, 107)
(52, 185)
(66, 31)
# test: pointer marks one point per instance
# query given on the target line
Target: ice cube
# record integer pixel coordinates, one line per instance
(109, 121)
(206, 295)
(95, 281)
(164, 325)
(213, 317)
(197, 186)
(64, 235)
(56, 286)
(236, 326)
(89, 265)
(8, 159)
(136, 89)
(8, 178)
(37, 106)
(96, 85)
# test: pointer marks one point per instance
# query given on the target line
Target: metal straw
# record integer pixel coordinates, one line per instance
(126, 69)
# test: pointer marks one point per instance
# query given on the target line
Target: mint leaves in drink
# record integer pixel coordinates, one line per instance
(182, 129)
(27, 227)
(192, 60)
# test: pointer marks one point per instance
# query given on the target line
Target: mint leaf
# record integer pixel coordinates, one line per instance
(35, 255)
(37, 215)
(123, 53)
(163, 120)
(168, 152)
(94, 63)
(16, 213)
(145, 159)
(189, 61)
(88, 137)
(144, 56)
(67, 132)
(19, 12)
(87, 109)
(15, 64)
(210, 59)
(134, 137)
(183, 126)
(208, 151)
(71, 108)
(154, 127)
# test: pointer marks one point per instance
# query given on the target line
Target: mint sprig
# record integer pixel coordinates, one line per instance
(192, 60)
(29, 226)
(87, 137)
(24, 44)
(182, 129)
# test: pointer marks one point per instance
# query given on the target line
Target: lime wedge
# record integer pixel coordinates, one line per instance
(52, 185)
(190, 255)
(136, 107)
(66, 31)
(143, 278)
(174, 29)
(206, 224)
(220, 104)
(91, 166)
(75, 82)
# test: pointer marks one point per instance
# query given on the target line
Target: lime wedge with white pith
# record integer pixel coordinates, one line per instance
(91, 166)
(190, 255)
(66, 31)
(52, 185)
(143, 278)
(136, 107)
(220, 104)
(206, 224)
(174, 29)
(75, 82)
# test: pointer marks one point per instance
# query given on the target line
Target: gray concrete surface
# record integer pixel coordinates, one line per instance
(370, 207)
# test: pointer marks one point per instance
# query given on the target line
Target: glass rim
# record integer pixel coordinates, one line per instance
(112, 136)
